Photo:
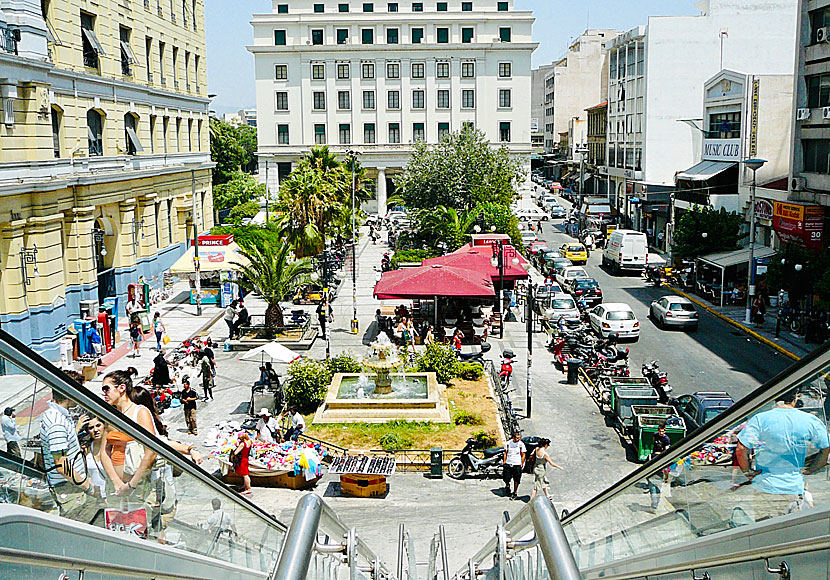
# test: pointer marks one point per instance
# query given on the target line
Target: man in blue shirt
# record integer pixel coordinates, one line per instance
(780, 439)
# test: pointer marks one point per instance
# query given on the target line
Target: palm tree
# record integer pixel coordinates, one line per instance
(445, 224)
(272, 275)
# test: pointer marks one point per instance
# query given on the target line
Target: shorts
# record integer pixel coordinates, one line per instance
(540, 481)
(512, 472)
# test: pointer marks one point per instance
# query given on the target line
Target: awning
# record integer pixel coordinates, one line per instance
(211, 259)
(735, 257)
(705, 170)
(431, 281)
(598, 209)
(477, 259)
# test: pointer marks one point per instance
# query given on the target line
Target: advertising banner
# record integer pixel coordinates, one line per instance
(795, 222)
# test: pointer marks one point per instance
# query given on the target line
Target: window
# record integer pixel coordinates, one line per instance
(194, 15)
(504, 98)
(318, 72)
(394, 133)
(417, 35)
(442, 70)
(504, 131)
(345, 134)
(342, 35)
(468, 99)
(190, 134)
(504, 34)
(468, 70)
(443, 35)
(816, 155)
(131, 136)
(392, 7)
(417, 6)
(56, 132)
(281, 72)
(367, 36)
(418, 132)
(369, 100)
(393, 70)
(148, 55)
(127, 56)
(466, 7)
(443, 100)
(161, 62)
(418, 99)
(441, 6)
(505, 70)
(391, 36)
(319, 134)
(417, 70)
(319, 100)
(818, 91)
(725, 126)
(317, 36)
(282, 8)
(95, 133)
(319, 9)
(368, 132)
(281, 100)
(187, 70)
(279, 37)
(152, 133)
(467, 35)
(368, 7)
(343, 71)
(818, 19)
(443, 130)
(502, 6)
(367, 70)
(282, 134)
(342, 7)
(344, 100)
(91, 46)
(393, 100)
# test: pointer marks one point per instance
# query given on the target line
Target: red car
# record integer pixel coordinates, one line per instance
(538, 245)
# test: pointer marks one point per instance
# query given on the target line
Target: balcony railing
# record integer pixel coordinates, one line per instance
(9, 39)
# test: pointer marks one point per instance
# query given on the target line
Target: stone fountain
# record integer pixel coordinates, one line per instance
(383, 360)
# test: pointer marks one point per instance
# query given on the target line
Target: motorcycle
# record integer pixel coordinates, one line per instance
(658, 379)
(298, 318)
(466, 461)
(385, 263)
(475, 357)
(654, 275)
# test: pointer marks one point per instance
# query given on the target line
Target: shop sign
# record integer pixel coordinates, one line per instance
(215, 240)
(763, 209)
(722, 150)
(799, 223)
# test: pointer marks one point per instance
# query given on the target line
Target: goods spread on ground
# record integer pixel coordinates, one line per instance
(361, 464)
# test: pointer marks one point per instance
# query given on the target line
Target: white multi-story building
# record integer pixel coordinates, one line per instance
(537, 105)
(656, 76)
(378, 76)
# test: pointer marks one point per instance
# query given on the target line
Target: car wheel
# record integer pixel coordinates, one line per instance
(662, 322)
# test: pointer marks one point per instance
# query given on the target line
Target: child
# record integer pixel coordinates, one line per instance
(135, 337)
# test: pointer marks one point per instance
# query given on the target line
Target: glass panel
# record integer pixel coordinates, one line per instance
(80, 474)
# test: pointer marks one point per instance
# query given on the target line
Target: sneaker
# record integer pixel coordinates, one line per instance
(514, 496)
(506, 490)
(247, 492)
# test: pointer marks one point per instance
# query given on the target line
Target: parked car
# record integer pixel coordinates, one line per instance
(538, 246)
(529, 237)
(308, 294)
(533, 214)
(560, 306)
(576, 253)
(701, 407)
(614, 317)
(554, 268)
(544, 256)
(569, 274)
(558, 212)
(674, 311)
(544, 292)
(586, 289)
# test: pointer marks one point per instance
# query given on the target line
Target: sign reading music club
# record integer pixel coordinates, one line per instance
(722, 150)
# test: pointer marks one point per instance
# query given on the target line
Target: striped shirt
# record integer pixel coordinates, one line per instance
(57, 435)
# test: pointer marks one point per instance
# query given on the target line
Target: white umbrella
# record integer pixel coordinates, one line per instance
(275, 350)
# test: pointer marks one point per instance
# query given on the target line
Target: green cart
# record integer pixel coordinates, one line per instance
(623, 399)
(646, 419)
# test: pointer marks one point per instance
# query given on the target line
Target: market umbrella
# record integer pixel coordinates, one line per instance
(275, 350)
(477, 258)
(433, 280)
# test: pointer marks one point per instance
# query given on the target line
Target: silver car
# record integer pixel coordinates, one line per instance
(561, 306)
(674, 311)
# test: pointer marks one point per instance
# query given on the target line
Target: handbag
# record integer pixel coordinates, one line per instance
(165, 339)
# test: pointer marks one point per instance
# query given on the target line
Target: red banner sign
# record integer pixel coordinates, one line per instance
(215, 240)
(799, 223)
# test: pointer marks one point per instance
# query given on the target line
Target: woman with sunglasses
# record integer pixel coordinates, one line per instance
(97, 430)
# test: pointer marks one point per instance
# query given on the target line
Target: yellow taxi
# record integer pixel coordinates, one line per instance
(575, 252)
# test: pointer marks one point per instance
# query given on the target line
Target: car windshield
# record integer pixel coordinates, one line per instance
(681, 306)
(710, 414)
(620, 315)
(577, 274)
(587, 284)
(563, 304)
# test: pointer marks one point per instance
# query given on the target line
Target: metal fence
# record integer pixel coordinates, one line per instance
(507, 415)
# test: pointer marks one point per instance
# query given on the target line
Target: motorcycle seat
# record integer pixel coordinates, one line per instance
(493, 452)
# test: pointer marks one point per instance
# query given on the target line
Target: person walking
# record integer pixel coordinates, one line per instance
(136, 337)
(656, 480)
(94, 338)
(324, 319)
(206, 372)
(540, 469)
(159, 329)
(161, 371)
(243, 451)
(540, 226)
(228, 316)
(10, 432)
(589, 244)
(188, 399)
(515, 453)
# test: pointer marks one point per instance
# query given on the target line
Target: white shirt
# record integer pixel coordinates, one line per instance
(297, 421)
(96, 474)
(9, 428)
(220, 520)
(267, 428)
(514, 452)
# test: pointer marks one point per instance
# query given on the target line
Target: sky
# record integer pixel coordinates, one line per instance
(231, 68)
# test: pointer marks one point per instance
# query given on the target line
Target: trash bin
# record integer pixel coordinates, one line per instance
(436, 462)
(573, 370)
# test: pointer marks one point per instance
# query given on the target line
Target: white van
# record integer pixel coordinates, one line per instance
(625, 250)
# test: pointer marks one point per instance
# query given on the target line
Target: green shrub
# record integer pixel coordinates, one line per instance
(391, 441)
(343, 363)
(307, 384)
(244, 210)
(417, 255)
(439, 359)
(462, 417)
(470, 371)
(484, 439)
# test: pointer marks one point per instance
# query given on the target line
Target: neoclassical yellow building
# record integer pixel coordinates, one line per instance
(103, 139)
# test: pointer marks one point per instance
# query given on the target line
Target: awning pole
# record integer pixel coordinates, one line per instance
(722, 278)
(435, 314)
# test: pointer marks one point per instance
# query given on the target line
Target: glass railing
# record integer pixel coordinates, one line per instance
(762, 462)
(61, 471)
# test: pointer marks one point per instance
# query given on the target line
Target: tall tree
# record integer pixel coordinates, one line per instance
(722, 229)
(460, 172)
(231, 148)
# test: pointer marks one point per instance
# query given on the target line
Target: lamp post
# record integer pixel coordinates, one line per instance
(196, 266)
(754, 165)
(352, 155)
(529, 323)
(498, 261)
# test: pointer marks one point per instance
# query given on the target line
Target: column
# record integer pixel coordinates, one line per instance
(381, 191)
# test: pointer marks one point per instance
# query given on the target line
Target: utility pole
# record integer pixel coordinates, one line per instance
(754, 165)
(267, 192)
(529, 323)
(355, 324)
(196, 264)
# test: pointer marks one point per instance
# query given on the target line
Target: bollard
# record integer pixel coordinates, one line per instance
(573, 370)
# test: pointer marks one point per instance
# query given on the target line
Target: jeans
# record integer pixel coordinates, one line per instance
(293, 433)
(230, 328)
(158, 339)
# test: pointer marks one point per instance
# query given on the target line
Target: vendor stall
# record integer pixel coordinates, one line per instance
(219, 257)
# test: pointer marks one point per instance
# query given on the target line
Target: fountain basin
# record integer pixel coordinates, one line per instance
(421, 398)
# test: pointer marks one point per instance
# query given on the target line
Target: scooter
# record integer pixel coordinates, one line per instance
(466, 461)
(658, 379)
(475, 357)
(506, 371)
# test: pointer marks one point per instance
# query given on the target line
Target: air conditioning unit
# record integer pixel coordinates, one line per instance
(823, 34)
(825, 113)
(802, 114)
(308, 42)
(797, 184)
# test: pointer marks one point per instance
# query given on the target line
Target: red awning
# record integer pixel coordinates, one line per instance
(477, 258)
(433, 280)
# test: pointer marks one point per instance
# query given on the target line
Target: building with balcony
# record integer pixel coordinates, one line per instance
(104, 128)
(377, 77)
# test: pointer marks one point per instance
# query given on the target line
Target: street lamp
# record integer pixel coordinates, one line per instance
(477, 229)
(582, 150)
(754, 164)
(193, 166)
(352, 155)
(498, 261)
